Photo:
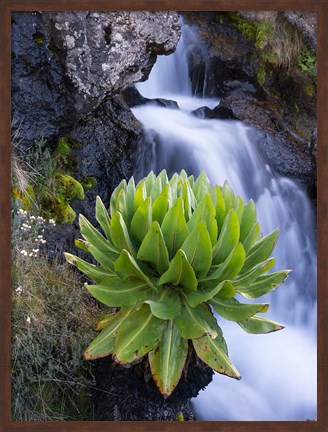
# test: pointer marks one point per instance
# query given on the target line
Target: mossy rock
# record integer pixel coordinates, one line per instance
(66, 214)
(88, 182)
(69, 188)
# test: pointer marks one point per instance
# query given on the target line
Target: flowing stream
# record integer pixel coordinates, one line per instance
(278, 369)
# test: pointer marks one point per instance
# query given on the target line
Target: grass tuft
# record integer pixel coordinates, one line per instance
(52, 317)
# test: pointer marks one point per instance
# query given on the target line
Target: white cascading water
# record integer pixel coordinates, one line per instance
(278, 369)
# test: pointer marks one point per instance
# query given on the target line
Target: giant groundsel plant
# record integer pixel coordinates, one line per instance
(172, 256)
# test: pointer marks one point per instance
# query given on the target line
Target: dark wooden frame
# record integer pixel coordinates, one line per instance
(7, 6)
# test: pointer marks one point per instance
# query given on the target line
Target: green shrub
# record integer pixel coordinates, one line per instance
(171, 252)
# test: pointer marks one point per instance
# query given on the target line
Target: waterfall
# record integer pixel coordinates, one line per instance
(278, 369)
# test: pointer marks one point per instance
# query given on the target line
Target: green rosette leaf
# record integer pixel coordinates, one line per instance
(168, 359)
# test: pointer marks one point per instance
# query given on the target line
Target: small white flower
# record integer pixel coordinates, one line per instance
(19, 289)
(28, 320)
(40, 236)
(35, 250)
(43, 241)
(30, 254)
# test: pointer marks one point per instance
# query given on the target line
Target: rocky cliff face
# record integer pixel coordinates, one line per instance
(263, 68)
(65, 64)
(68, 70)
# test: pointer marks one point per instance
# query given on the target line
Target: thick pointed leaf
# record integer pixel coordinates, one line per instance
(204, 293)
(153, 249)
(162, 204)
(251, 238)
(228, 195)
(238, 206)
(244, 280)
(166, 304)
(205, 211)
(227, 292)
(140, 333)
(121, 204)
(163, 177)
(112, 203)
(198, 249)
(264, 284)
(140, 194)
(183, 176)
(191, 181)
(201, 186)
(103, 345)
(105, 321)
(174, 187)
(81, 244)
(261, 250)
(228, 238)
(232, 310)
(214, 354)
(174, 227)
(121, 292)
(220, 208)
(168, 359)
(196, 322)
(105, 259)
(102, 217)
(256, 325)
(127, 266)
(119, 234)
(189, 200)
(130, 193)
(141, 221)
(230, 267)
(180, 272)
(156, 188)
(93, 236)
(248, 220)
(149, 182)
(97, 274)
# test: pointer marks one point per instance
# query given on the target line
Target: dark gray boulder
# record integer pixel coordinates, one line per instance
(65, 63)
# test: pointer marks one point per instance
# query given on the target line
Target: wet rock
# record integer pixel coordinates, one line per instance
(166, 103)
(218, 112)
(133, 98)
(281, 156)
(65, 63)
(130, 393)
(228, 65)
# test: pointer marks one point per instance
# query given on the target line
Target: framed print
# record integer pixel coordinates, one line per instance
(164, 215)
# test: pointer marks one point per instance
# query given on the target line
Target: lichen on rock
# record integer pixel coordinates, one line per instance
(108, 51)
